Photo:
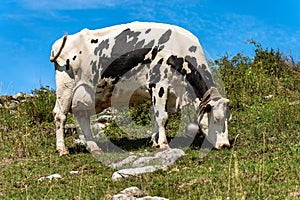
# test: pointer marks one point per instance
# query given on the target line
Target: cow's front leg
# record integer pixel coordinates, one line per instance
(161, 117)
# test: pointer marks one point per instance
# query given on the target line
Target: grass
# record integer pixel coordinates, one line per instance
(262, 163)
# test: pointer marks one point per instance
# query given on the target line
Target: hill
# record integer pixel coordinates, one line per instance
(262, 163)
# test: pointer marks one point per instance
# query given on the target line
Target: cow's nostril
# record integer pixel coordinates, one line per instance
(224, 146)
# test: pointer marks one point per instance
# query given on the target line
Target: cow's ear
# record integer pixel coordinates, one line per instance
(208, 108)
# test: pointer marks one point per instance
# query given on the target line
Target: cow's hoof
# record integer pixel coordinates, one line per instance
(161, 146)
(154, 140)
(93, 148)
(97, 152)
(63, 152)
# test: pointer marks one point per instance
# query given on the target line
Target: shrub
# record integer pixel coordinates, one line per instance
(39, 109)
(249, 80)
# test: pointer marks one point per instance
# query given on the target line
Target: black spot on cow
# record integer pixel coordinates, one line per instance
(152, 85)
(148, 31)
(166, 73)
(150, 44)
(195, 79)
(94, 66)
(124, 63)
(80, 52)
(154, 101)
(94, 41)
(153, 53)
(67, 64)
(95, 71)
(103, 45)
(127, 53)
(157, 113)
(193, 49)
(139, 45)
(160, 61)
(165, 37)
(155, 73)
(161, 92)
(161, 47)
(146, 62)
(176, 63)
(166, 108)
(74, 58)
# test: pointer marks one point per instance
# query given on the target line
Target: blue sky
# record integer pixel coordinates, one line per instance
(29, 27)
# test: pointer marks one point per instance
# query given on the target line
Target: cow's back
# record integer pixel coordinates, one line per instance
(128, 58)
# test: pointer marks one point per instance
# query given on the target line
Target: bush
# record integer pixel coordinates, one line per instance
(39, 109)
(249, 80)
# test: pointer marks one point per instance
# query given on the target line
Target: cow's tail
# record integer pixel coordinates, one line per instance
(53, 58)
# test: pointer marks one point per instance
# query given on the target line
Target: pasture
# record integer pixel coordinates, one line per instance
(262, 162)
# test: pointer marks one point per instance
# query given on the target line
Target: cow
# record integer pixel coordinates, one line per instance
(142, 60)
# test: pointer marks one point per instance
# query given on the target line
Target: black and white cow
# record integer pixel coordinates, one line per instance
(165, 63)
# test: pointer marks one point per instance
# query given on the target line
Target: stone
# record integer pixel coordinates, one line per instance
(142, 161)
(50, 177)
(134, 193)
(123, 162)
(124, 173)
(169, 156)
(146, 164)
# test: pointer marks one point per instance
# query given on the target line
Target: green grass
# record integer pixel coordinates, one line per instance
(263, 162)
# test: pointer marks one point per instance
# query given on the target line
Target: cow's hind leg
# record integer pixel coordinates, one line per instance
(83, 118)
(83, 108)
(60, 122)
(159, 98)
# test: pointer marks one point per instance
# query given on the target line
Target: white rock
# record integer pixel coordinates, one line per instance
(123, 162)
(132, 191)
(124, 173)
(151, 198)
(53, 176)
(169, 157)
(142, 161)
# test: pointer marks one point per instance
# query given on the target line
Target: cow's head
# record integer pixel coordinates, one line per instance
(212, 117)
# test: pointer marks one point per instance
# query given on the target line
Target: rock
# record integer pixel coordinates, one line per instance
(169, 156)
(294, 103)
(122, 197)
(151, 198)
(19, 96)
(163, 158)
(124, 162)
(51, 177)
(134, 193)
(124, 173)
(142, 161)
(145, 163)
(269, 96)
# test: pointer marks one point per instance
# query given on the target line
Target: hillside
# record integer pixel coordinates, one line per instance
(262, 163)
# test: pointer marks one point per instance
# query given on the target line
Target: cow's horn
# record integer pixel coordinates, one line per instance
(53, 58)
